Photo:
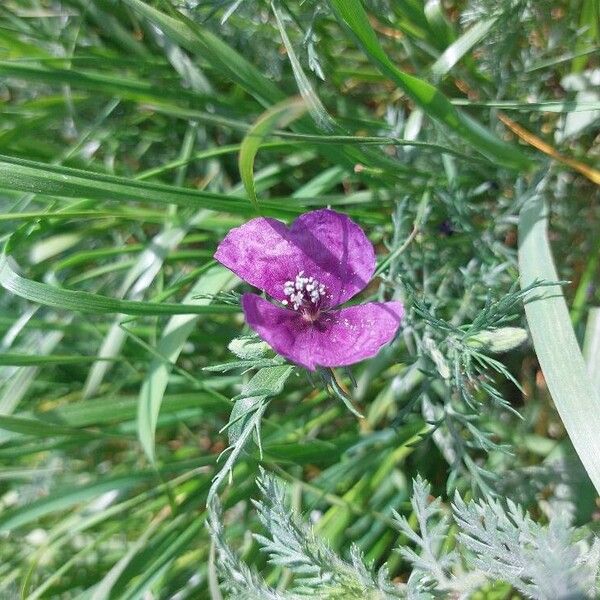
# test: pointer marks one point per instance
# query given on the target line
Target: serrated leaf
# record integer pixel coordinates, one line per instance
(247, 413)
(244, 364)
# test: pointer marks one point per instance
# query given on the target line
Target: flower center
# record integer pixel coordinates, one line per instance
(304, 291)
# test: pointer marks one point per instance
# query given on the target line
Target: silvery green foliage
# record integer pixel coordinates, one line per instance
(493, 542)
(239, 580)
(501, 54)
(499, 544)
(480, 9)
(251, 353)
(311, 41)
(541, 562)
(246, 417)
(318, 571)
(435, 569)
(459, 356)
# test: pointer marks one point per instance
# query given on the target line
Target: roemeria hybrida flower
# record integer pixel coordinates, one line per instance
(309, 270)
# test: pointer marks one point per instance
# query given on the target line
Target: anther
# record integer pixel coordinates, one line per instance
(303, 289)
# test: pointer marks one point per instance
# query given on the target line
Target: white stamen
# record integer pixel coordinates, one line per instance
(302, 289)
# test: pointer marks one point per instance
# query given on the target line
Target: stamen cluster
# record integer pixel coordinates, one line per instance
(303, 289)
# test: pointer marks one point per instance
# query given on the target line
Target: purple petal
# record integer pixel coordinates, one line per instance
(341, 255)
(338, 338)
(324, 244)
(282, 328)
(358, 332)
(260, 253)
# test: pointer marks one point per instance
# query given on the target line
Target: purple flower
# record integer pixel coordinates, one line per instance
(320, 262)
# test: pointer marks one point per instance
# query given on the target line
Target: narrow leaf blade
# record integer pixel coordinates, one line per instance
(554, 340)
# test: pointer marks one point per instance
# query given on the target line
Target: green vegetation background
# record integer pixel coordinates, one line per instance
(133, 136)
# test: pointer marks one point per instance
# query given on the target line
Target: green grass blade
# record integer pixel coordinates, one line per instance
(554, 340)
(111, 85)
(464, 44)
(22, 379)
(591, 347)
(103, 590)
(41, 178)
(276, 117)
(79, 301)
(26, 360)
(550, 106)
(223, 58)
(427, 96)
(37, 428)
(124, 409)
(589, 22)
(174, 336)
(66, 498)
(135, 284)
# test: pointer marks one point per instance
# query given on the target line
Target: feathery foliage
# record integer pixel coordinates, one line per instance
(499, 543)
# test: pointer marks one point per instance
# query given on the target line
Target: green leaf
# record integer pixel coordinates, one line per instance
(25, 360)
(170, 345)
(551, 106)
(246, 416)
(313, 451)
(252, 416)
(71, 300)
(554, 340)
(121, 409)
(66, 498)
(498, 341)
(312, 101)
(269, 381)
(103, 590)
(441, 28)
(134, 285)
(464, 44)
(22, 378)
(121, 87)
(276, 117)
(52, 180)
(151, 563)
(223, 58)
(249, 348)
(591, 347)
(589, 23)
(37, 428)
(232, 65)
(425, 95)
